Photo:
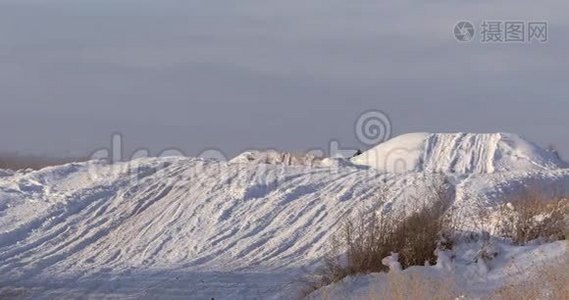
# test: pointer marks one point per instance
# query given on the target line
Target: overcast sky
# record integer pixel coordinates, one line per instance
(291, 74)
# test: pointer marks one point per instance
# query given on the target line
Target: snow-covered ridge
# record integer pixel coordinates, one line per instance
(459, 153)
(274, 157)
(186, 220)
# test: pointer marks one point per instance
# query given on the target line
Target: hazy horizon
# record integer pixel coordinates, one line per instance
(196, 75)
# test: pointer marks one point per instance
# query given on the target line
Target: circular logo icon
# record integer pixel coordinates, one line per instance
(373, 127)
(464, 31)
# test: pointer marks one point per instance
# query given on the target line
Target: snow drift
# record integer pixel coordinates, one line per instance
(274, 157)
(459, 153)
(173, 227)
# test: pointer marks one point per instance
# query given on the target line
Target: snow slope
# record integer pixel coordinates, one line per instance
(173, 227)
(460, 272)
(90, 222)
(458, 153)
(277, 158)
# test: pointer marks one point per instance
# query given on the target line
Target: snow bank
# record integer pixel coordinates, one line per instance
(168, 224)
(458, 153)
(461, 273)
(274, 157)
(5, 173)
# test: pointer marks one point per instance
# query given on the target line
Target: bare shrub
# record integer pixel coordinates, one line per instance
(362, 243)
(534, 217)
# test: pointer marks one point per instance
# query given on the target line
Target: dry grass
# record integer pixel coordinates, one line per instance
(534, 217)
(362, 243)
(411, 284)
(415, 285)
(549, 281)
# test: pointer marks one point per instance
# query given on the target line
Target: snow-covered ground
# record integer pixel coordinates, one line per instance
(459, 153)
(462, 273)
(244, 229)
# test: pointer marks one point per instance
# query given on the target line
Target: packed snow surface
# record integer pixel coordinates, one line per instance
(461, 272)
(274, 157)
(458, 153)
(244, 229)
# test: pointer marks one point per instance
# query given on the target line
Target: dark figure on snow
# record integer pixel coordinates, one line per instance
(358, 153)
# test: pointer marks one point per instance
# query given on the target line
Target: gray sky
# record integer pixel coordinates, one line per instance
(292, 74)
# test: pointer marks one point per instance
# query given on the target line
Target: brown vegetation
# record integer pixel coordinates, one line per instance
(362, 243)
(548, 281)
(534, 217)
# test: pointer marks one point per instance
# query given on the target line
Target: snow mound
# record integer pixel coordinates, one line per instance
(6, 173)
(458, 272)
(459, 153)
(272, 157)
(168, 226)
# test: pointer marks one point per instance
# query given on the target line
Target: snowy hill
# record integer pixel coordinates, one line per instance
(458, 153)
(174, 227)
(273, 157)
